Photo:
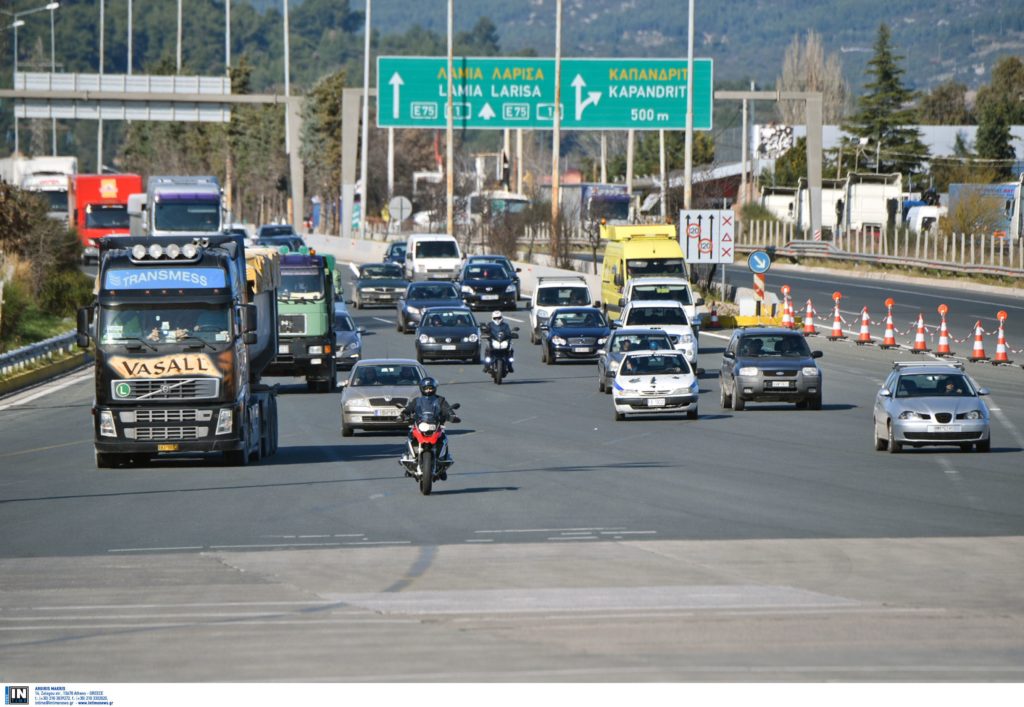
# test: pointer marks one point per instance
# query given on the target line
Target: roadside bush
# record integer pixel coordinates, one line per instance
(64, 291)
(752, 211)
(16, 303)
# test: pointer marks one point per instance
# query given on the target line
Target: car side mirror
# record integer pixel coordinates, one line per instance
(361, 330)
(529, 305)
(885, 393)
(816, 354)
(622, 302)
(597, 303)
(728, 354)
(343, 383)
(983, 391)
(699, 302)
(614, 325)
(249, 338)
(519, 269)
(82, 337)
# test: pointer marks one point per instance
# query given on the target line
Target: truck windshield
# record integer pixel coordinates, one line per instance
(55, 200)
(679, 293)
(106, 216)
(551, 296)
(655, 266)
(437, 249)
(156, 325)
(301, 283)
(187, 216)
(612, 210)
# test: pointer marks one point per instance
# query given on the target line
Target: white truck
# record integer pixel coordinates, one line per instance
(176, 206)
(872, 202)
(51, 177)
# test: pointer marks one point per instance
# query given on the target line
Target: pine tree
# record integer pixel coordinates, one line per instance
(884, 116)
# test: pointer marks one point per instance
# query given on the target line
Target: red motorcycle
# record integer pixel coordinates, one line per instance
(427, 458)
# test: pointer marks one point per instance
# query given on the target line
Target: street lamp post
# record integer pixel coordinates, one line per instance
(52, 7)
(15, 24)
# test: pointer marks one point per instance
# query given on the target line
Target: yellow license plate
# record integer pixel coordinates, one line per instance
(166, 447)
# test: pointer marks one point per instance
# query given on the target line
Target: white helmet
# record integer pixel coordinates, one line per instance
(496, 316)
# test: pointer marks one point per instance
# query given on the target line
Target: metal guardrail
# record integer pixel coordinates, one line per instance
(26, 356)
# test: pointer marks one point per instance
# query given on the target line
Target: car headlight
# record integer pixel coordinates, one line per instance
(686, 338)
(412, 310)
(365, 289)
(357, 403)
(542, 314)
(613, 366)
(472, 338)
(510, 289)
(600, 342)
(910, 415)
(811, 371)
(748, 371)
(351, 346)
(316, 350)
(558, 341)
(424, 339)
(225, 418)
(467, 289)
(974, 415)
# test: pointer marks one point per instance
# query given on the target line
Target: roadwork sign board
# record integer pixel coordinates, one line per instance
(707, 236)
(516, 92)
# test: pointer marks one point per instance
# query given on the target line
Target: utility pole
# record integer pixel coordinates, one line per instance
(99, 125)
(449, 149)
(179, 37)
(364, 151)
(556, 137)
(688, 152)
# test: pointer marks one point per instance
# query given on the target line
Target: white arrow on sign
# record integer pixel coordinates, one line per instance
(760, 262)
(396, 83)
(593, 97)
(487, 112)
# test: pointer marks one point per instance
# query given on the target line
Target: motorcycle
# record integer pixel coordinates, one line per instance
(427, 459)
(499, 354)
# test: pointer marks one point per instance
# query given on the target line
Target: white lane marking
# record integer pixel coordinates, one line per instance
(716, 336)
(386, 321)
(479, 540)
(562, 538)
(541, 530)
(525, 419)
(1005, 420)
(958, 483)
(155, 549)
(354, 269)
(59, 384)
(514, 319)
(237, 547)
(629, 532)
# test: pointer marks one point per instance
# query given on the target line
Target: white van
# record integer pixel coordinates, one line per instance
(552, 292)
(432, 256)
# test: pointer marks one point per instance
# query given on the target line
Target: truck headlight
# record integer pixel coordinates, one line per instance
(316, 350)
(225, 419)
(810, 371)
(748, 371)
(107, 428)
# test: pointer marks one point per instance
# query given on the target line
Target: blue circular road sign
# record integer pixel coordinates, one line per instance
(759, 262)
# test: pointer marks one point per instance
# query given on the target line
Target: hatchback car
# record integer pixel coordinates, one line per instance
(376, 392)
(655, 382)
(378, 283)
(348, 338)
(769, 364)
(489, 285)
(573, 334)
(422, 295)
(448, 332)
(621, 341)
(931, 403)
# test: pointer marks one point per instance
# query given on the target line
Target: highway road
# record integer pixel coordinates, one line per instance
(769, 544)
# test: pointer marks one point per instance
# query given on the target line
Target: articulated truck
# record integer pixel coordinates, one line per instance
(183, 329)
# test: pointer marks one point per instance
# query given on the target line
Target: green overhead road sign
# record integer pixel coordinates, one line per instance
(498, 93)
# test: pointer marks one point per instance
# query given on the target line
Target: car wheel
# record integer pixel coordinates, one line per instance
(738, 403)
(984, 445)
(966, 447)
(814, 403)
(894, 446)
(358, 304)
(619, 416)
(881, 443)
(399, 324)
(419, 357)
(600, 382)
(724, 398)
(346, 430)
(801, 405)
(692, 414)
(533, 338)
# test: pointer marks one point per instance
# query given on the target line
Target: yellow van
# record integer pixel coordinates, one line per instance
(638, 251)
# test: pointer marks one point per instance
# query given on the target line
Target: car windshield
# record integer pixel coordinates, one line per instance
(490, 271)
(578, 320)
(637, 342)
(930, 385)
(655, 266)
(164, 325)
(187, 216)
(774, 345)
(386, 374)
(301, 283)
(380, 272)
(449, 318)
(425, 292)
(437, 249)
(679, 293)
(657, 315)
(344, 323)
(553, 296)
(106, 216)
(667, 364)
(396, 249)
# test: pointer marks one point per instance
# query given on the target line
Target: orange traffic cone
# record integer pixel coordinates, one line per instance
(1001, 356)
(978, 354)
(713, 323)
(837, 325)
(865, 332)
(809, 329)
(787, 321)
(919, 343)
(889, 340)
(943, 348)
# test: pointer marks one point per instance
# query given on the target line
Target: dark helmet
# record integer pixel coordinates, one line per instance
(428, 386)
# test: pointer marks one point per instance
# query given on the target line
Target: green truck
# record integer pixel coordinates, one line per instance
(305, 304)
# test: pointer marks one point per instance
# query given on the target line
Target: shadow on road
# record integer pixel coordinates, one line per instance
(480, 489)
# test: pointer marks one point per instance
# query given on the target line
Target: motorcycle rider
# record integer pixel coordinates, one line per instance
(497, 326)
(429, 400)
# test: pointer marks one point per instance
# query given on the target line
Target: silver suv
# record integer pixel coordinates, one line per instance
(770, 365)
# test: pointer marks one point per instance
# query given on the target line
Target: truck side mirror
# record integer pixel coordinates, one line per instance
(82, 337)
(249, 319)
(618, 280)
(249, 338)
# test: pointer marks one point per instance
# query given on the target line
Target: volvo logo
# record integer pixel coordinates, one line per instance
(165, 389)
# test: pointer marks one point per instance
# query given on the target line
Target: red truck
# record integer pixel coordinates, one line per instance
(101, 207)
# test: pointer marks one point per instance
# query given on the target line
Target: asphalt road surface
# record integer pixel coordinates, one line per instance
(769, 544)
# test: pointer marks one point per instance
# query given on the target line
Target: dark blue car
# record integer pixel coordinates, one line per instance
(395, 253)
(573, 334)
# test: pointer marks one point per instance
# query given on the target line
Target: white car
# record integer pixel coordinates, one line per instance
(655, 382)
(665, 288)
(667, 315)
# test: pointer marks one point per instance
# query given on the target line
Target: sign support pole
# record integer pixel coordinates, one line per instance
(449, 150)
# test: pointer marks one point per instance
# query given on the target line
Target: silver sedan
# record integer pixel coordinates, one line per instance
(376, 392)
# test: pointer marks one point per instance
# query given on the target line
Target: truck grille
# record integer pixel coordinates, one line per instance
(167, 415)
(165, 389)
(160, 434)
(291, 324)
